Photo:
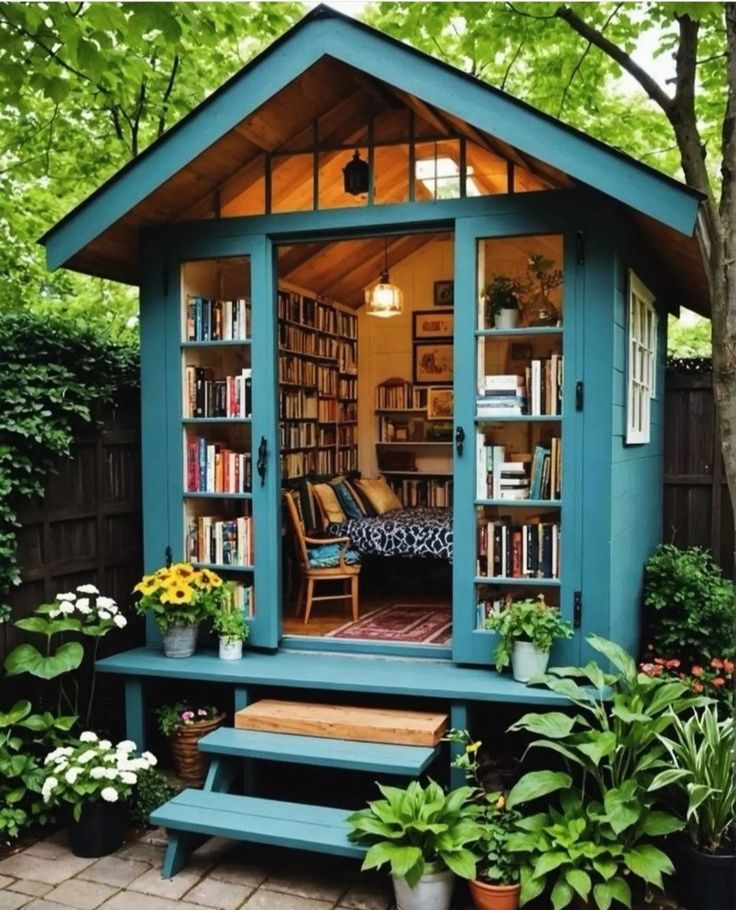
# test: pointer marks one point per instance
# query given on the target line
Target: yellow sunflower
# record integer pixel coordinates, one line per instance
(209, 579)
(183, 571)
(177, 594)
(147, 585)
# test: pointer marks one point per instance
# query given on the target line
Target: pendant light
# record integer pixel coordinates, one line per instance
(384, 299)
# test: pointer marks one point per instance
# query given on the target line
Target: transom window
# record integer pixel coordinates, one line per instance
(642, 359)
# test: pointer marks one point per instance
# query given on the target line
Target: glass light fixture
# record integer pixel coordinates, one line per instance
(384, 299)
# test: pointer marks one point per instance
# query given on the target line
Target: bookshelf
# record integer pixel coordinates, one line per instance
(216, 426)
(519, 433)
(318, 386)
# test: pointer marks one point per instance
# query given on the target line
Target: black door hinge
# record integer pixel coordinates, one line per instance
(577, 609)
(579, 395)
(168, 557)
(165, 281)
(580, 247)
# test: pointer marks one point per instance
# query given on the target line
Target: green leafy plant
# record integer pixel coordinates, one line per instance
(184, 714)
(613, 751)
(526, 620)
(543, 273)
(691, 608)
(701, 778)
(180, 593)
(92, 770)
(152, 791)
(503, 293)
(230, 624)
(415, 828)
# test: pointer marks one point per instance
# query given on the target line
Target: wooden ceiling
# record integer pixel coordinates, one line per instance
(227, 179)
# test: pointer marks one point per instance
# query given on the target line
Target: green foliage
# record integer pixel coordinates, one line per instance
(412, 828)
(690, 607)
(701, 778)
(526, 620)
(498, 822)
(503, 293)
(688, 339)
(608, 813)
(153, 790)
(183, 714)
(229, 622)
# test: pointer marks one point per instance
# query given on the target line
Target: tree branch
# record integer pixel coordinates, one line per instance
(687, 53)
(728, 134)
(167, 95)
(582, 57)
(513, 60)
(624, 60)
(521, 12)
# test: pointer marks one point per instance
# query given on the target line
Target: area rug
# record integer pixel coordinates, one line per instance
(412, 623)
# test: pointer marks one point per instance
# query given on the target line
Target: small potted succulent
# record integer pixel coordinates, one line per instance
(96, 779)
(184, 724)
(180, 597)
(527, 629)
(503, 295)
(230, 625)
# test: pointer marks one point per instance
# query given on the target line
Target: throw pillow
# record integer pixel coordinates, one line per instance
(348, 500)
(329, 502)
(379, 494)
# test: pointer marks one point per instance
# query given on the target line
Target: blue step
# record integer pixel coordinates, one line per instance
(319, 829)
(383, 758)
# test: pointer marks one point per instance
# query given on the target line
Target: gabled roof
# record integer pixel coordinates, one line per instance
(327, 33)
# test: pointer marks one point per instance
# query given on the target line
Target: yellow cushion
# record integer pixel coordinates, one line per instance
(379, 494)
(328, 501)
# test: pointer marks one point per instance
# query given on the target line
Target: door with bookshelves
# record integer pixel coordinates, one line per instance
(225, 502)
(517, 459)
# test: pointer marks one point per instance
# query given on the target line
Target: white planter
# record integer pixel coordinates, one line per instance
(433, 891)
(528, 661)
(506, 319)
(230, 650)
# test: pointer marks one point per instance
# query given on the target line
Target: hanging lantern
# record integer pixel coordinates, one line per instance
(384, 299)
(357, 176)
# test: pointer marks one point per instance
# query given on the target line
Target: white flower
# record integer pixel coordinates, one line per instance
(83, 605)
(57, 754)
(149, 758)
(103, 614)
(105, 744)
(48, 785)
(61, 766)
(120, 621)
(87, 756)
(109, 794)
(106, 603)
(98, 773)
(87, 737)
(66, 607)
(87, 589)
(127, 745)
(72, 774)
(68, 596)
(111, 773)
(127, 777)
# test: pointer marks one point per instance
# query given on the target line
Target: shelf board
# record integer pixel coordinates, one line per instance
(521, 503)
(520, 332)
(519, 418)
(206, 420)
(400, 411)
(240, 342)
(218, 568)
(188, 494)
(307, 356)
(418, 473)
(411, 445)
(526, 582)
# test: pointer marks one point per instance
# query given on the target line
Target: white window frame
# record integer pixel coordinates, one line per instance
(641, 354)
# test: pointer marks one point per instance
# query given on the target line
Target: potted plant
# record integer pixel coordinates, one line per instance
(702, 782)
(502, 295)
(95, 779)
(229, 623)
(540, 310)
(422, 833)
(527, 630)
(184, 724)
(179, 597)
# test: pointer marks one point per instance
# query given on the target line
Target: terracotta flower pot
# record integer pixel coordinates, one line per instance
(494, 897)
(191, 764)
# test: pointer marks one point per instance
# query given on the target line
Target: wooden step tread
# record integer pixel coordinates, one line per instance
(377, 725)
(322, 751)
(320, 829)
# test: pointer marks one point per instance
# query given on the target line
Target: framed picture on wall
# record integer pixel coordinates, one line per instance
(444, 293)
(440, 404)
(432, 324)
(433, 362)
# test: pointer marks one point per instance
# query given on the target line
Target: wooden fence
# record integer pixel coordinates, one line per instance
(697, 508)
(87, 528)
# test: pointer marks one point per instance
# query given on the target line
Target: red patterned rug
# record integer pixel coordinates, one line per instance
(413, 623)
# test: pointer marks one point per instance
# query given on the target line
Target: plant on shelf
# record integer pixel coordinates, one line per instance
(423, 835)
(180, 597)
(597, 841)
(701, 784)
(545, 278)
(527, 630)
(503, 295)
(184, 723)
(229, 622)
(95, 779)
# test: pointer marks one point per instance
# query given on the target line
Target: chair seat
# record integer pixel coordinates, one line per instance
(327, 556)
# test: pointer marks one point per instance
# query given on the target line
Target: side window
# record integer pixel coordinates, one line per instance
(642, 360)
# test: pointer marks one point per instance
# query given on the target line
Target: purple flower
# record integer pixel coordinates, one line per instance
(187, 715)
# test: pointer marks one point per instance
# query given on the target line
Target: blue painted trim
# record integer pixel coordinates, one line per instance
(217, 495)
(516, 582)
(521, 503)
(343, 646)
(519, 333)
(459, 720)
(135, 716)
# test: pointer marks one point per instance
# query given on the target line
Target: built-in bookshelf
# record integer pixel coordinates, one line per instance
(318, 387)
(217, 403)
(519, 435)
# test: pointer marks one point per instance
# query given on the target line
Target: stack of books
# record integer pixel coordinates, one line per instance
(212, 540)
(243, 598)
(530, 550)
(214, 468)
(218, 320)
(513, 481)
(546, 479)
(502, 396)
(229, 397)
(544, 384)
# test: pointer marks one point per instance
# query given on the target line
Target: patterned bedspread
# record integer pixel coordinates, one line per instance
(421, 532)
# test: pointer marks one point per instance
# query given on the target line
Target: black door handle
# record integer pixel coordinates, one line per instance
(262, 456)
(459, 440)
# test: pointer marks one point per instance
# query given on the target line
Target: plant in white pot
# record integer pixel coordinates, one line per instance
(229, 624)
(503, 295)
(422, 833)
(526, 629)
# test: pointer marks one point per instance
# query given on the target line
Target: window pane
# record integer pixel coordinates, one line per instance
(487, 174)
(391, 174)
(245, 193)
(437, 170)
(332, 193)
(291, 183)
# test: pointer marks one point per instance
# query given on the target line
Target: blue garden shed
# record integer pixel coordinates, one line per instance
(497, 435)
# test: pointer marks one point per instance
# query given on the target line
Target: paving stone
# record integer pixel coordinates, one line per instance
(80, 894)
(51, 848)
(250, 873)
(173, 888)
(155, 836)
(53, 872)
(111, 870)
(124, 900)
(321, 886)
(278, 900)
(144, 853)
(368, 895)
(11, 900)
(5, 880)
(26, 886)
(211, 892)
(42, 904)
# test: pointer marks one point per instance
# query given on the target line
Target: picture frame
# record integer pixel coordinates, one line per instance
(428, 324)
(444, 293)
(432, 363)
(440, 403)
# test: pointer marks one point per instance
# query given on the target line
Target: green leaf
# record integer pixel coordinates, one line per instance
(19, 710)
(603, 896)
(553, 724)
(562, 895)
(548, 862)
(620, 658)
(536, 784)
(622, 811)
(657, 823)
(620, 891)
(461, 862)
(531, 887)
(649, 863)
(579, 881)
(667, 777)
(600, 746)
(27, 659)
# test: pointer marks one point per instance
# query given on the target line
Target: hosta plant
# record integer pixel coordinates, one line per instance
(413, 828)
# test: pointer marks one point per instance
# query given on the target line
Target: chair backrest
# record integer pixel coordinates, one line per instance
(296, 520)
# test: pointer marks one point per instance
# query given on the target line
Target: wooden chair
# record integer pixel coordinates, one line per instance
(343, 570)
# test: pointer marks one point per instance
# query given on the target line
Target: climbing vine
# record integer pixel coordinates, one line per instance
(52, 372)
